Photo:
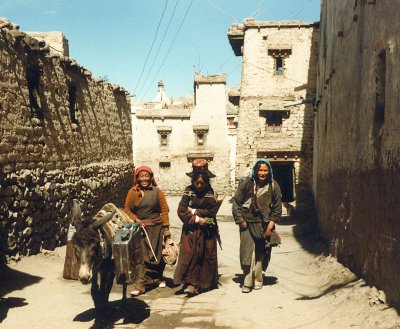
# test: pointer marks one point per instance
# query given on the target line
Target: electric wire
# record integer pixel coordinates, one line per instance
(159, 46)
(172, 44)
(301, 10)
(152, 44)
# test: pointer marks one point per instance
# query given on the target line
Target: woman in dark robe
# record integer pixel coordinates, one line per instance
(146, 204)
(197, 268)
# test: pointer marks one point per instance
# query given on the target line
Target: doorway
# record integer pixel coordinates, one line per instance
(284, 174)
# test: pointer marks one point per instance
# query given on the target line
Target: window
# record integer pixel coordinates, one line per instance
(274, 119)
(200, 131)
(33, 73)
(164, 132)
(279, 52)
(72, 103)
(278, 65)
(165, 165)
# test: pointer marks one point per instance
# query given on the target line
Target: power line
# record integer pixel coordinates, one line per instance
(304, 7)
(172, 44)
(159, 46)
(152, 44)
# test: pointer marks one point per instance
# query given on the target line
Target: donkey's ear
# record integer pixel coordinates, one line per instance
(76, 214)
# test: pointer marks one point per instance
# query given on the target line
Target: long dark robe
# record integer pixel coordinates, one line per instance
(197, 262)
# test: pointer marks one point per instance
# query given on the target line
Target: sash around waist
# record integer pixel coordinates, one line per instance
(251, 217)
(152, 221)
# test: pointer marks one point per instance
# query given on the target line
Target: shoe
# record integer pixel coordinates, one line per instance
(246, 290)
(162, 284)
(191, 290)
(258, 286)
(138, 290)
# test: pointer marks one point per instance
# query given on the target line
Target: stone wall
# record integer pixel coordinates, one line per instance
(357, 138)
(64, 135)
(287, 94)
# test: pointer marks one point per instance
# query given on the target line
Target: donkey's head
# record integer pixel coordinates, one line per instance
(86, 241)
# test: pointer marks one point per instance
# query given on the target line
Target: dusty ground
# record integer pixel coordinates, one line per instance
(302, 289)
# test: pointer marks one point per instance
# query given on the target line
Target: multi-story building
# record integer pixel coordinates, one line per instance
(169, 134)
(275, 118)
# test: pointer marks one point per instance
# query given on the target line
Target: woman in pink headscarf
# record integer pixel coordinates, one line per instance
(146, 204)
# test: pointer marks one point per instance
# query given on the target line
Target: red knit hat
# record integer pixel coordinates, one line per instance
(144, 168)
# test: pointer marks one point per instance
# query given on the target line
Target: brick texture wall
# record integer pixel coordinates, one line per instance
(64, 135)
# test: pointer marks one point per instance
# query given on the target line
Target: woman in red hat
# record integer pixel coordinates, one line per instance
(197, 268)
(147, 205)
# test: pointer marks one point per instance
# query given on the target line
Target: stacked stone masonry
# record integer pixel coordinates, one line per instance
(64, 134)
(286, 92)
(357, 138)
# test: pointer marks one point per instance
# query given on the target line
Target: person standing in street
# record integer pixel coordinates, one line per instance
(146, 204)
(257, 207)
(197, 268)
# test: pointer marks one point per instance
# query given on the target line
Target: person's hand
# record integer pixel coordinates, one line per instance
(270, 228)
(139, 221)
(243, 225)
(202, 221)
(166, 232)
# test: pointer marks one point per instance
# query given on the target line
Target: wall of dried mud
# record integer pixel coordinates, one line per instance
(357, 138)
(64, 134)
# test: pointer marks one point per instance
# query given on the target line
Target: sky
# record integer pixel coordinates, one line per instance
(136, 43)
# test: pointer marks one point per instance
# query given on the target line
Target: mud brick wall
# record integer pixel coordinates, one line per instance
(357, 138)
(64, 134)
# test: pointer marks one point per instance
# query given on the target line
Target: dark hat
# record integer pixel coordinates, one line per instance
(200, 166)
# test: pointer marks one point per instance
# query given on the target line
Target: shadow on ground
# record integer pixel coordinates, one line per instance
(133, 311)
(7, 303)
(15, 280)
(267, 280)
(306, 229)
(12, 280)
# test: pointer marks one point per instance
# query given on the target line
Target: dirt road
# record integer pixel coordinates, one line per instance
(302, 289)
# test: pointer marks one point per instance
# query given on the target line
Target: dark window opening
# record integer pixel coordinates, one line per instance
(279, 65)
(165, 165)
(274, 123)
(33, 73)
(235, 100)
(72, 103)
(379, 116)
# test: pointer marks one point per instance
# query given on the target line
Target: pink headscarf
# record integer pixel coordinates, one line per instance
(144, 168)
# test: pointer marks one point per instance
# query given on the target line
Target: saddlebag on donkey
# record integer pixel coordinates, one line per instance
(128, 255)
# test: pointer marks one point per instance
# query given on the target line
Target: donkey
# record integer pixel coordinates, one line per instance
(94, 260)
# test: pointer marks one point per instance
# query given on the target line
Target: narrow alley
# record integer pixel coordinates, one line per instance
(302, 289)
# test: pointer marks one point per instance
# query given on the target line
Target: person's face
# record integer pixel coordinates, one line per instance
(144, 178)
(263, 172)
(199, 184)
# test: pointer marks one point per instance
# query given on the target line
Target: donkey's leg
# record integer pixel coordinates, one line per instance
(95, 292)
(107, 280)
